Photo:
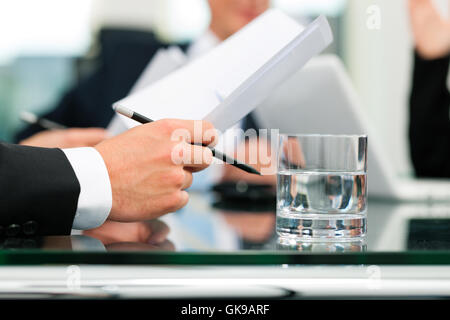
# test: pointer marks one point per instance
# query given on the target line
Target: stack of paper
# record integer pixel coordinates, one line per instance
(227, 83)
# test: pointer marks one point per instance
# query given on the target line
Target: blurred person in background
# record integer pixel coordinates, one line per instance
(429, 130)
(227, 18)
(124, 56)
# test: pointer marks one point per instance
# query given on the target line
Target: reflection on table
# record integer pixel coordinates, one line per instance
(209, 224)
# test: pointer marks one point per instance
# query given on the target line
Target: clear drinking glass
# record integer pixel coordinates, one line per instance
(322, 187)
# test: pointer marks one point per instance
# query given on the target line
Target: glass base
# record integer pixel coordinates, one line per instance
(325, 246)
(321, 227)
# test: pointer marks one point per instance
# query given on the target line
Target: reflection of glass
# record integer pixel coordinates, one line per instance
(321, 247)
(322, 187)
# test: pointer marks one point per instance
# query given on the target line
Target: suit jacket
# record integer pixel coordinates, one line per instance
(124, 56)
(38, 191)
(429, 127)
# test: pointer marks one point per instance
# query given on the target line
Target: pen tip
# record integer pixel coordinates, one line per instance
(28, 117)
(254, 171)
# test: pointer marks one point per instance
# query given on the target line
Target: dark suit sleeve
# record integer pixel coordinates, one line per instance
(37, 185)
(429, 128)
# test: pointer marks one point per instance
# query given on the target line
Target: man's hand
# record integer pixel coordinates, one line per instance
(431, 31)
(150, 167)
(151, 232)
(133, 236)
(257, 153)
(69, 138)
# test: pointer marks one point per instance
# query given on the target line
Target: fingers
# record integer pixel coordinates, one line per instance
(152, 231)
(197, 158)
(161, 167)
(187, 180)
(165, 246)
(180, 199)
(158, 232)
(193, 158)
(192, 131)
(166, 204)
(140, 247)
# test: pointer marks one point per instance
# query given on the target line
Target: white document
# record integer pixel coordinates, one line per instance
(164, 62)
(227, 83)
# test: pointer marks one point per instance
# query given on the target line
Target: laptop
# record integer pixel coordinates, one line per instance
(321, 99)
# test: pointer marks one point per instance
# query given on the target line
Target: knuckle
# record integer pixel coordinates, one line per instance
(175, 153)
(177, 201)
(169, 125)
(175, 130)
(207, 125)
(190, 180)
(207, 156)
(177, 179)
(165, 126)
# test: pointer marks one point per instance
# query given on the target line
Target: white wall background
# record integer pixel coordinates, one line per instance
(380, 63)
(43, 27)
(174, 20)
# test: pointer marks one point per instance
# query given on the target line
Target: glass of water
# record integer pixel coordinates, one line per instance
(322, 187)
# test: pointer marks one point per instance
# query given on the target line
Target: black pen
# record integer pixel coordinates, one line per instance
(217, 154)
(42, 122)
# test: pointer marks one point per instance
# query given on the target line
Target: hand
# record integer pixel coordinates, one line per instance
(257, 153)
(69, 138)
(149, 169)
(152, 232)
(431, 31)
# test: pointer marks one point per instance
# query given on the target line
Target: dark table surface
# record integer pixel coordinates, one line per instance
(212, 230)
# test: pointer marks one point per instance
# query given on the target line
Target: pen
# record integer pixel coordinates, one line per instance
(42, 122)
(217, 154)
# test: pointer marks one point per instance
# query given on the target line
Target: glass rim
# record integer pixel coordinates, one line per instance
(323, 135)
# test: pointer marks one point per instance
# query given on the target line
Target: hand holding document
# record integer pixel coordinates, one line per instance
(227, 83)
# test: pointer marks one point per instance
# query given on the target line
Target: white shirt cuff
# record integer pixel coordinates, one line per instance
(95, 200)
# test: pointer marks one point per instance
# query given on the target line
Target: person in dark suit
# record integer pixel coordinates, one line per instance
(27, 203)
(429, 129)
(128, 178)
(124, 54)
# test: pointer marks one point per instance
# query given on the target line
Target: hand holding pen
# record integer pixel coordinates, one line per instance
(217, 154)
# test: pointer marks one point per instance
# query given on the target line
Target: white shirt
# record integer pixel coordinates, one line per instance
(202, 44)
(95, 199)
